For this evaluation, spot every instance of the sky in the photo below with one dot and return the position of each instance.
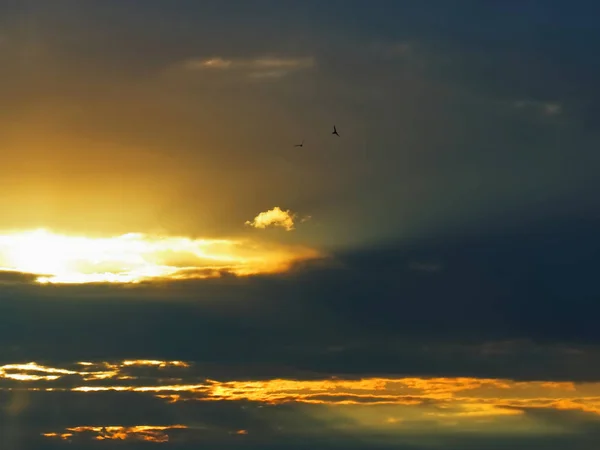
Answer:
(176, 273)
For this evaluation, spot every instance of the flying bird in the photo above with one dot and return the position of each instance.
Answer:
(335, 131)
(300, 145)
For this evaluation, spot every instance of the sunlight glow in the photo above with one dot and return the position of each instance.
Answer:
(136, 257)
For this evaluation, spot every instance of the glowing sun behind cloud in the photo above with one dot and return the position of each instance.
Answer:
(137, 257)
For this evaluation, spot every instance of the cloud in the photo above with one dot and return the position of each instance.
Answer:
(275, 217)
(389, 358)
(136, 257)
(145, 433)
(264, 67)
(546, 108)
(15, 277)
(172, 401)
(552, 109)
(518, 304)
(518, 307)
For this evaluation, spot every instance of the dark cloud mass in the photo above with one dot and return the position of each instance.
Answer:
(454, 300)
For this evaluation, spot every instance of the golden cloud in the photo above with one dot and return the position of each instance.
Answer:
(441, 397)
(87, 371)
(275, 217)
(372, 403)
(32, 372)
(446, 396)
(137, 257)
(147, 433)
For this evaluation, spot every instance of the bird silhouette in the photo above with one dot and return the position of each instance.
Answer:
(300, 145)
(335, 131)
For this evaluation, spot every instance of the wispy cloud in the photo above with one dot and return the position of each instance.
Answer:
(547, 108)
(263, 67)
(275, 217)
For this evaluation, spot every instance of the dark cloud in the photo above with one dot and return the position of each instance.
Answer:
(8, 278)
(530, 290)
(459, 207)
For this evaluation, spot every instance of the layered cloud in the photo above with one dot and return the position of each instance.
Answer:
(145, 433)
(487, 306)
(398, 407)
(263, 67)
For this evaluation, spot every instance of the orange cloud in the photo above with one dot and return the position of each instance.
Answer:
(373, 402)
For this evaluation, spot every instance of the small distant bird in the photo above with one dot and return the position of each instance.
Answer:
(335, 131)
(300, 145)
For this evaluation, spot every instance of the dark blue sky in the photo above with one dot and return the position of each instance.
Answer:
(459, 213)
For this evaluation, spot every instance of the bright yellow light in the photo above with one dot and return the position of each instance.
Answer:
(136, 257)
